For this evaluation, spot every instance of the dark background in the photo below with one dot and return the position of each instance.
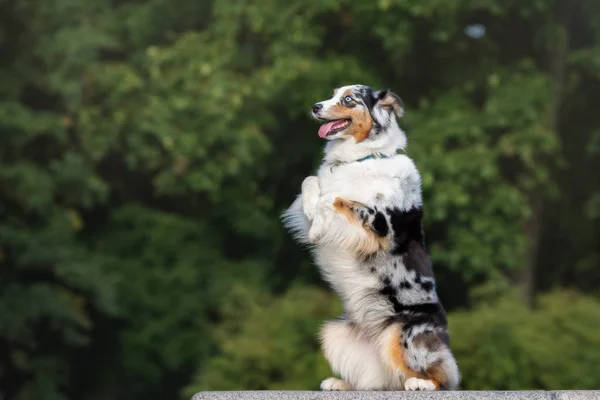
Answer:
(147, 148)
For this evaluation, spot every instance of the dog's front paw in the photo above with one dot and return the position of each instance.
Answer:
(413, 384)
(324, 214)
(310, 196)
(335, 384)
(316, 229)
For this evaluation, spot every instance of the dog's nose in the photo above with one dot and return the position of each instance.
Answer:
(316, 107)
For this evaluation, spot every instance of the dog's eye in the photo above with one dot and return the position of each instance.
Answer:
(347, 99)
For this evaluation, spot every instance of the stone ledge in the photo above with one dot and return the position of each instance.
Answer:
(455, 395)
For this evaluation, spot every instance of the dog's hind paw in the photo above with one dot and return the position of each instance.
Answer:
(335, 384)
(413, 384)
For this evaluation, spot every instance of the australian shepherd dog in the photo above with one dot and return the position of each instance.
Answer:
(361, 215)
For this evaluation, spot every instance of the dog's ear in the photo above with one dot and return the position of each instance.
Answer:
(391, 101)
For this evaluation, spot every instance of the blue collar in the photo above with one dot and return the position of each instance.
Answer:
(374, 155)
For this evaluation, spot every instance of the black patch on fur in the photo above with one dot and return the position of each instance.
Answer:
(417, 259)
(406, 226)
(389, 292)
(380, 224)
(422, 308)
(365, 94)
(418, 314)
(386, 281)
(372, 269)
(413, 314)
(382, 93)
(409, 240)
(405, 285)
(427, 286)
(377, 127)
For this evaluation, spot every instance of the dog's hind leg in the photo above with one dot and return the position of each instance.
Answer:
(354, 358)
(423, 358)
(430, 351)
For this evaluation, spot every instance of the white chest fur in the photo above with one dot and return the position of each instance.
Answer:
(391, 181)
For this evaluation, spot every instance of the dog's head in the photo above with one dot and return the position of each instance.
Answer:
(358, 112)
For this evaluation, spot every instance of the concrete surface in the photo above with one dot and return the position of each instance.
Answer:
(458, 395)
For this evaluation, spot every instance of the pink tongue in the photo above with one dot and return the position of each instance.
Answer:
(329, 126)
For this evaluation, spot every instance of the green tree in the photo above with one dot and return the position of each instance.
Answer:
(505, 346)
(269, 342)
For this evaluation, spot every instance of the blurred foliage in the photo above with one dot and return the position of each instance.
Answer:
(147, 150)
(499, 345)
(261, 352)
(505, 345)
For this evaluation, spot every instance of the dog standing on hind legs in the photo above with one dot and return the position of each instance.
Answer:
(362, 215)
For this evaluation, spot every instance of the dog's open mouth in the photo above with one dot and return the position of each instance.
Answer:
(333, 127)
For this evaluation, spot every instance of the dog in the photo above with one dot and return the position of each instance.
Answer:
(362, 217)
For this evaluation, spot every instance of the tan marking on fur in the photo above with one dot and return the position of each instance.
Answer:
(361, 124)
(347, 92)
(344, 206)
(437, 375)
(361, 118)
(395, 349)
(338, 111)
(390, 101)
(373, 241)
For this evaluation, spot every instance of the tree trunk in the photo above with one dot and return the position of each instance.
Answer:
(557, 57)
